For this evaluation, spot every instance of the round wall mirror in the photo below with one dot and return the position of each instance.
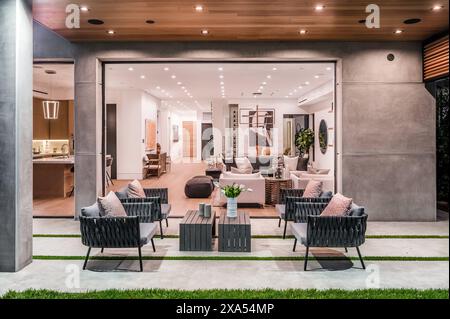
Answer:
(323, 136)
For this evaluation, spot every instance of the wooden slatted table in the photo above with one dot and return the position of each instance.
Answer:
(235, 233)
(197, 232)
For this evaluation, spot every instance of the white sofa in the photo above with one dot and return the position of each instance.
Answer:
(301, 178)
(254, 181)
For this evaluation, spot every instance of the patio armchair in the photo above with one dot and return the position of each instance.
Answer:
(288, 198)
(313, 230)
(132, 231)
(161, 207)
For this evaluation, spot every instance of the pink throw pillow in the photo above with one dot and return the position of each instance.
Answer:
(313, 189)
(339, 205)
(135, 190)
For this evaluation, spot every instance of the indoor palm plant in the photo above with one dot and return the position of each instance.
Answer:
(304, 139)
(232, 192)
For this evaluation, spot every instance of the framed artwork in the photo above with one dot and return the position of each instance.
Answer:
(150, 135)
(175, 133)
(257, 117)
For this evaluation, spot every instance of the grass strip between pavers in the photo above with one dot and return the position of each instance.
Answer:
(242, 258)
(269, 236)
(233, 294)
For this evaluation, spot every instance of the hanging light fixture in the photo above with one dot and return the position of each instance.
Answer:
(50, 107)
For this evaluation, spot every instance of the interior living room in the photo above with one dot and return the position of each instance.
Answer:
(174, 124)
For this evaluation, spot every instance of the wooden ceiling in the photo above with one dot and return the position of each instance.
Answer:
(244, 20)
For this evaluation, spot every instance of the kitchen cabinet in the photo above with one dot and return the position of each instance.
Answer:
(59, 129)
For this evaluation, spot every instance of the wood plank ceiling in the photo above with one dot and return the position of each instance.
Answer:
(244, 20)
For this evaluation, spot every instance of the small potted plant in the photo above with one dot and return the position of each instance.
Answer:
(232, 192)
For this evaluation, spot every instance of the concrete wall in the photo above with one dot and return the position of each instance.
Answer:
(386, 164)
(16, 133)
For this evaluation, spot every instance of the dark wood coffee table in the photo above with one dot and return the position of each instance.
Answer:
(235, 233)
(197, 232)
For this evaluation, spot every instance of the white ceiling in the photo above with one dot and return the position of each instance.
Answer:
(196, 84)
(61, 84)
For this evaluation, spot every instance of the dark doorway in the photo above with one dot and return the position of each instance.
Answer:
(111, 136)
(442, 147)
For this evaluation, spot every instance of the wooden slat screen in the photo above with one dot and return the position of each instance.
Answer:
(435, 59)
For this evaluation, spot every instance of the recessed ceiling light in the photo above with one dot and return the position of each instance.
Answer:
(173, 76)
(183, 87)
(437, 7)
(261, 87)
(158, 88)
(95, 21)
(110, 32)
(264, 83)
(205, 32)
(412, 21)
(84, 8)
(130, 69)
(398, 31)
(222, 83)
(221, 76)
(142, 76)
(290, 93)
(303, 31)
(316, 76)
(166, 69)
(179, 83)
(220, 69)
(328, 68)
(300, 87)
(199, 8)
(286, 96)
(274, 69)
(269, 76)
(319, 7)
(307, 83)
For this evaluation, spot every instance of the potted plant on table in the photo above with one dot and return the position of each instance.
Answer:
(232, 192)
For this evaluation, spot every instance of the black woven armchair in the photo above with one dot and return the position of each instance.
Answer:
(288, 198)
(132, 231)
(161, 208)
(329, 231)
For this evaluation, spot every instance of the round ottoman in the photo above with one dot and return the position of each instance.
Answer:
(199, 187)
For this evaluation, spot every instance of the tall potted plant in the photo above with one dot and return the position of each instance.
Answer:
(304, 139)
(232, 192)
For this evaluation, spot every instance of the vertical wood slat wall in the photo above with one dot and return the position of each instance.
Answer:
(435, 59)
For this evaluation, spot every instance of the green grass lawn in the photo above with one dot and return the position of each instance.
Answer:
(235, 294)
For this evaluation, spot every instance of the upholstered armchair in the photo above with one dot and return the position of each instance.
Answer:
(288, 198)
(159, 197)
(313, 230)
(132, 231)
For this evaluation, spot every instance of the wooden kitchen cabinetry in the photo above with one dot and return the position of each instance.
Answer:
(59, 129)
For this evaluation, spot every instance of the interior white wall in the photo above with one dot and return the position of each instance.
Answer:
(281, 106)
(326, 160)
(177, 117)
(133, 107)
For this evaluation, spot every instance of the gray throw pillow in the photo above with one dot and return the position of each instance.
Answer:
(91, 211)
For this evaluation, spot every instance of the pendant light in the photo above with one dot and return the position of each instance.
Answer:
(50, 107)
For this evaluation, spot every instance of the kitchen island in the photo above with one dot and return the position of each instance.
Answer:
(53, 176)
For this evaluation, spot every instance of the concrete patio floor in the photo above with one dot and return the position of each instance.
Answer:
(207, 274)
